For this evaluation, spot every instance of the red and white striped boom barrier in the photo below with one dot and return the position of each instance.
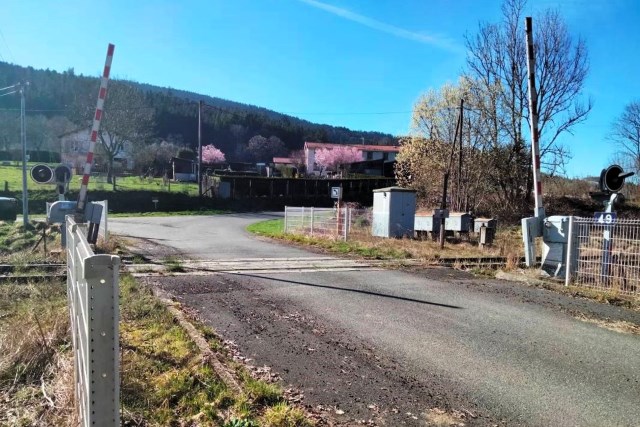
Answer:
(102, 95)
(533, 115)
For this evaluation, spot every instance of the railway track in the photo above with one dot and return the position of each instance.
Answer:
(41, 272)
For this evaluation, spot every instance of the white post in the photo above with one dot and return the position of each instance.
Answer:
(105, 213)
(347, 222)
(569, 264)
(23, 142)
(285, 220)
(312, 221)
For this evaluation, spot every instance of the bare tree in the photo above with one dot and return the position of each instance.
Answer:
(625, 133)
(432, 148)
(496, 64)
(126, 119)
(262, 149)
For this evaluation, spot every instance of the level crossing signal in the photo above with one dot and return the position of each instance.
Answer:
(63, 176)
(42, 174)
(612, 179)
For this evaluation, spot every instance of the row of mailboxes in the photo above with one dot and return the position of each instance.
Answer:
(455, 222)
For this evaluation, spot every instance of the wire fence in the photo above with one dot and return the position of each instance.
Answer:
(326, 222)
(605, 256)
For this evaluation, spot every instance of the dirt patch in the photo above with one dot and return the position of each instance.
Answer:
(149, 250)
(336, 373)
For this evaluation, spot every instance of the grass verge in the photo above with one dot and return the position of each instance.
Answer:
(508, 243)
(165, 380)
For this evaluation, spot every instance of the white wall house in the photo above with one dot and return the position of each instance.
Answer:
(369, 152)
(74, 147)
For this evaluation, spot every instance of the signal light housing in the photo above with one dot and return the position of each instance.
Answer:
(612, 179)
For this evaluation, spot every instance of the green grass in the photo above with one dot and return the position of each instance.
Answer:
(283, 415)
(16, 241)
(174, 265)
(274, 228)
(12, 174)
(269, 228)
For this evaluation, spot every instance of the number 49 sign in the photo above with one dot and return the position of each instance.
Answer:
(605, 217)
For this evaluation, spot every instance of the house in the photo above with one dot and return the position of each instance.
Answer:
(284, 161)
(74, 147)
(369, 152)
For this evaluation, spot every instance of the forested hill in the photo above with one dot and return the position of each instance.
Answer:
(227, 124)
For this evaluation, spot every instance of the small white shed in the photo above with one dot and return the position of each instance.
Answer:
(394, 211)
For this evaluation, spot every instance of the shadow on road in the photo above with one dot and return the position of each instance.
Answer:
(314, 285)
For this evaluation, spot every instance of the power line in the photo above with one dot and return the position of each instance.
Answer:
(9, 93)
(7, 45)
(10, 87)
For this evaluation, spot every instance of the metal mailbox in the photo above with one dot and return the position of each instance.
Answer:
(460, 222)
(490, 223)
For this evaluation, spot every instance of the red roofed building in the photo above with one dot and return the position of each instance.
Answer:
(369, 152)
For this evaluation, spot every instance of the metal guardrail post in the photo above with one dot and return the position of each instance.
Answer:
(92, 290)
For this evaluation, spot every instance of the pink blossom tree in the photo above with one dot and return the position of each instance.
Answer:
(333, 158)
(210, 154)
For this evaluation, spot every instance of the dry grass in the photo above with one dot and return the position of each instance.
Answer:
(437, 417)
(508, 243)
(34, 354)
(620, 326)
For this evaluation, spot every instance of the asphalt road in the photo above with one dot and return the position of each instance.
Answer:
(390, 345)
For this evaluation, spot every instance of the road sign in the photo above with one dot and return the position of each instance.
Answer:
(336, 193)
(605, 217)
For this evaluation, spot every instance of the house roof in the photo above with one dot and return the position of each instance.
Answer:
(380, 148)
(284, 160)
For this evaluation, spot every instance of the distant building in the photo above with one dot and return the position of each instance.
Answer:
(183, 170)
(369, 152)
(284, 161)
(74, 147)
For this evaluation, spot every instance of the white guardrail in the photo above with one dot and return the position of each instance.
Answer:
(92, 290)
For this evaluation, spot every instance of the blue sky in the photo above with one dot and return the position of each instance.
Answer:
(329, 61)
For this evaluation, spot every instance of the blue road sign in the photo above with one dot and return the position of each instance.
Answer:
(605, 217)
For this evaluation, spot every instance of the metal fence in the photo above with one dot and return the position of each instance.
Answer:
(92, 291)
(327, 222)
(604, 256)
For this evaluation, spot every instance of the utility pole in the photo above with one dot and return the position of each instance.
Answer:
(200, 104)
(23, 140)
(459, 189)
(533, 115)
(445, 183)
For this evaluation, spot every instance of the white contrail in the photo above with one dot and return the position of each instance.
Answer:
(381, 26)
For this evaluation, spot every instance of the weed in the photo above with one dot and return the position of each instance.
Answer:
(283, 415)
(261, 392)
(240, 422)
(174, 265)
